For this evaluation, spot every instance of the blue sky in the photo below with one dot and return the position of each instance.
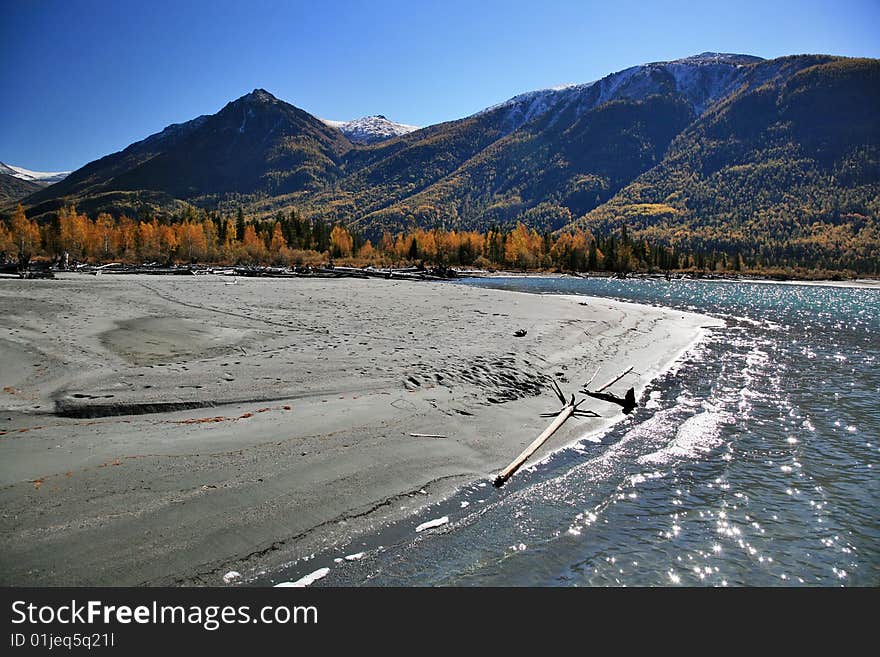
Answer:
(84, 78)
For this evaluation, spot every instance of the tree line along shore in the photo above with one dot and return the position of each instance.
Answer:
(290, 240)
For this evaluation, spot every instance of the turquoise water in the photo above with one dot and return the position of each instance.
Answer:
(754, 462)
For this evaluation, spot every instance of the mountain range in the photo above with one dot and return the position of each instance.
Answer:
(719, 151)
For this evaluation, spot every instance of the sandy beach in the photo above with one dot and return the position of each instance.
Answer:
(166, 430)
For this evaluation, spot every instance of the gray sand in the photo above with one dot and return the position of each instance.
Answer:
(166, 430)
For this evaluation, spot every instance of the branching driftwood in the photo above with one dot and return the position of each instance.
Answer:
(614, 380)
(627, 402)
(569, 409)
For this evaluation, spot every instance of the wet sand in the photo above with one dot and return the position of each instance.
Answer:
(166, 430)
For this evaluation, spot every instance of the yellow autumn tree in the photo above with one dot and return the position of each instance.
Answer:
(387, 243)
(367, 252)
(191, 242)
(25, 236)
(126, 237)
(167, 241)
(147, 240)
(427, 243)
(341, 243)
(523, 247)
(101, 241)
(230, 241)
(401, 246)
(277, 244)
(6, 242)
(252, 246)
(212, 237)
(73, 232)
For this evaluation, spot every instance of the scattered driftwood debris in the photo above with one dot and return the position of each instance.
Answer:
(45, 269)
(569, 409)
(36, 273)
(331, 271)
(627, 402)
(427, 435)
(420, 273)
(27, 269)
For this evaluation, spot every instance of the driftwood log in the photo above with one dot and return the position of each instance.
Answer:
(507, 473)
(569, 409)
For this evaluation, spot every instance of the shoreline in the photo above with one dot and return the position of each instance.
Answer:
(858, 283)
(698, 337)
(429, 274)
(300, 571)
(340, 374)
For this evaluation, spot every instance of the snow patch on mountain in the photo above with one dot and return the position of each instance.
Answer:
(531, 103)
(45, 177)
(611, 86)
(526, 106)
(702, 85)
(700, 79)
(370, 129)
(717, 58)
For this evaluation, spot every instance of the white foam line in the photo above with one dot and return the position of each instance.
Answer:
(595, 435)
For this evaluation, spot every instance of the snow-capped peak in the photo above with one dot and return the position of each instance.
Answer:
(716, 58)
(47, 177)
(370, 129)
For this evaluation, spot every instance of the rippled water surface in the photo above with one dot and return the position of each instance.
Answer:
(754, 462)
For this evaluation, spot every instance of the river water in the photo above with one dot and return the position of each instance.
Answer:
(755, 461)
